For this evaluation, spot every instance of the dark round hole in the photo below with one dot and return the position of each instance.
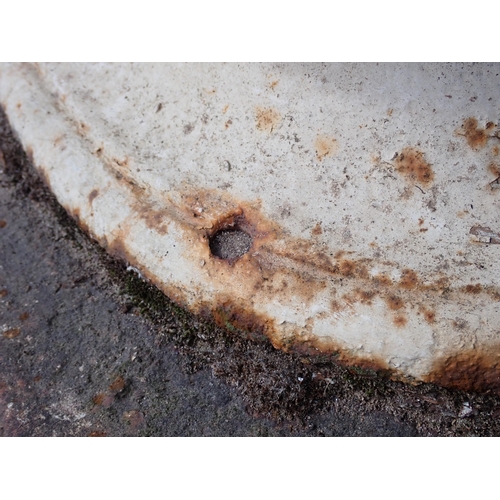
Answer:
(230, 244)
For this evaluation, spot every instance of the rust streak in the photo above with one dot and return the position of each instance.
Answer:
(469, 371)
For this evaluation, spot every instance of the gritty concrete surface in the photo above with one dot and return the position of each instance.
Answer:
(87, 348)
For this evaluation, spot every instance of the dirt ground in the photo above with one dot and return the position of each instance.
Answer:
(87, 348)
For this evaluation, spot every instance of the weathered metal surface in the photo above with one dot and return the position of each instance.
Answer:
(339, 208)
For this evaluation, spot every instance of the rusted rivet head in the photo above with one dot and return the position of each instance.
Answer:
(229, 244)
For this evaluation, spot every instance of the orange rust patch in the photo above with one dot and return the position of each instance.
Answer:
(335, 306)
(382, 280)
(12, 333)
(97, 434)
(423, 230)
(277, 267)
(228, 124)
(2, 224)
(98, 399)
(93, 195)
(273, 84)
(24, 316)
(394, 303)
(400, 320)
(468, 371)
(3, 293)
(409, 279)
(157, 220)
(317, 229)
(117, 385)
(347, 267)
(429, 315)
(494, 169)
(365, 296)
(476, 137)
(495, 150)
(474, 289)
(325, 146)
(412, 164)
(231, 316)
(267, 119)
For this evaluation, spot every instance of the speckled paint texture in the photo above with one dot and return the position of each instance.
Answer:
(369, 192)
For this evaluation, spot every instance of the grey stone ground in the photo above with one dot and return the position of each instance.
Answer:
(89, 349)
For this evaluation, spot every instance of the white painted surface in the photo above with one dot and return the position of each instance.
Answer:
(308, 146)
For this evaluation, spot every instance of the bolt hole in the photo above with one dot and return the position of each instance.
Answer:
(229, 244)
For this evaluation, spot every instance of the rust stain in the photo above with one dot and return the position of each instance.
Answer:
(97, 434)
(12, 333)
(3, 293)
(400, 320)
(412, 164)
(317, 230)
(117, 385)
(3, 223)
(495, 150)
(277, 267)
(267, 119)
(24, 316)
(365, 296)
(336, 306)
(429, 315)
(394, 303)
(231, 316)
(473, 289)
(225, 108)
(409, 279)
(98, 399)
(382, 280)
(476, 137)
(325, 146)
(494, 169)
(228, 124)
(273, 84)
(470, 370)
(154, 218)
